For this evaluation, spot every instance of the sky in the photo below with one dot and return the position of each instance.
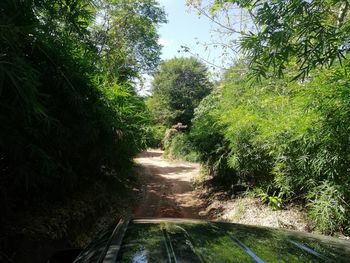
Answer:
(185, 28)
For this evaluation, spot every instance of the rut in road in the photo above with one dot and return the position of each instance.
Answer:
(167, 187)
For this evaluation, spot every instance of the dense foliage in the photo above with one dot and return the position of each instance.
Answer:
(71, 120)
(178, 87)
(288, 139)
(275, 35)
(179, 146)
(284, 135)
(70, 117)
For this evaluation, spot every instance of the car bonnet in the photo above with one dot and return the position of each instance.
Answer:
(180, 240)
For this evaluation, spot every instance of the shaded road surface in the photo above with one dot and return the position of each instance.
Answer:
(167, 189)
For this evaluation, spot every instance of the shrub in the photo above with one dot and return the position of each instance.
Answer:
(327, 208)
(180, 147)
(285, 137)
(208, 140)
(156, 135)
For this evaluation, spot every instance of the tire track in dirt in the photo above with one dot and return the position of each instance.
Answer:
(166, 187)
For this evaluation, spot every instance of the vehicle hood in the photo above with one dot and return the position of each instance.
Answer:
(178, 240)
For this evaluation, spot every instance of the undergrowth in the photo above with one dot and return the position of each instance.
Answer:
(288, 139)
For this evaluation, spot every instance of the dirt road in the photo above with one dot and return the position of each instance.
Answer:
(167, 191)
(167, 187)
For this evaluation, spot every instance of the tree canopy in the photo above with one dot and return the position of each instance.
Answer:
(276, 35)
(126, 36)
(70, 116)
(177, 89)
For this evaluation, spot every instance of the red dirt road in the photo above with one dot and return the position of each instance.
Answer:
(167, 187)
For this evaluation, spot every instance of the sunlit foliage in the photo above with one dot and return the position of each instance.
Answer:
(288, 138)
(178, 87)
(277, 34)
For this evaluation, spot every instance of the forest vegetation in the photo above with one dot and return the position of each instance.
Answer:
(71, 119)
(276, 123)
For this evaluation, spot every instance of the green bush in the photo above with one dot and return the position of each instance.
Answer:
(156, 136)
(274, 200)
(208, 140)
(179, 146)
(327, 207)
(282, 136)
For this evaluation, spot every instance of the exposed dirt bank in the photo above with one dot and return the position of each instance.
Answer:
(250, 211)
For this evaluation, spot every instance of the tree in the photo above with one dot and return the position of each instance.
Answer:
(177, 89)
(126, 36)
(69, 120)
(280, 34)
